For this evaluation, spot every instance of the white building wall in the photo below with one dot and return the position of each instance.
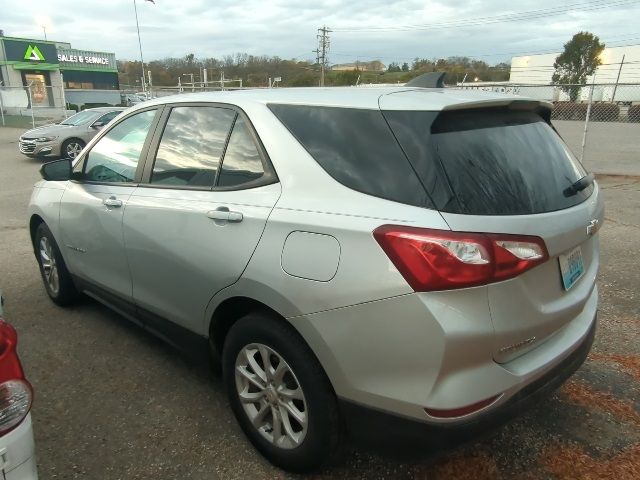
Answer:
(538, 69)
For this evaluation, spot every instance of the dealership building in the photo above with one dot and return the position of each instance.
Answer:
(52, 68)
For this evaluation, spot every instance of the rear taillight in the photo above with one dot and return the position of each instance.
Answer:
(16, 394)
(442, 260)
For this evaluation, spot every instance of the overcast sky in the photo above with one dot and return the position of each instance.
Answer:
(214, 28)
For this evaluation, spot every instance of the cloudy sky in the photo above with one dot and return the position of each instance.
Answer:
(491, 30)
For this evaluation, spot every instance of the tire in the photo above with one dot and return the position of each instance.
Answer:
(318, 442)
(55, 276)
(71, 148)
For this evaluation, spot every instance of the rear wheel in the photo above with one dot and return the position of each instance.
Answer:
(71, 148)
(280, 395)
(55, 276)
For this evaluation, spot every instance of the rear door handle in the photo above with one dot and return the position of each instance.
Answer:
(224, 214)
(112, 202)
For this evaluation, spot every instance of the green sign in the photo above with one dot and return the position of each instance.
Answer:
(33, 53)
(29, 51)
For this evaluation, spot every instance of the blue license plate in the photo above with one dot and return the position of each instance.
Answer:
(571, 267)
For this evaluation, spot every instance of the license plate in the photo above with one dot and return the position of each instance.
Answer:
(571, 267)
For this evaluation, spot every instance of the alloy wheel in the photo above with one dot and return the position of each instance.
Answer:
(73, 149)
(271, 396)
(49, 266)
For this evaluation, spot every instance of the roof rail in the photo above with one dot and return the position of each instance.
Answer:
(428, 80)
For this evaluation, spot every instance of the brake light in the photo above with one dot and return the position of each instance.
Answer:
(16, 394)
(442, 260)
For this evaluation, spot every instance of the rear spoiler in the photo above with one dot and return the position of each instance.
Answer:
(436, 80)
(541, 107)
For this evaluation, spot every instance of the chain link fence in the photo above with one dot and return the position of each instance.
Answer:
(36, 103)
(599, 122)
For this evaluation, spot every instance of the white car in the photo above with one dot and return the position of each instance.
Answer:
(17, 449)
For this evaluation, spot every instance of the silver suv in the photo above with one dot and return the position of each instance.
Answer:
(358, 259)
(67, 138)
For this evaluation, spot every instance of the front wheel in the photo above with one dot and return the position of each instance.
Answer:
(71, 148)
(280, 395)
(55, 276)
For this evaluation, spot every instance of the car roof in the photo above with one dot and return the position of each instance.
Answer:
(386, 98)
(105, 109)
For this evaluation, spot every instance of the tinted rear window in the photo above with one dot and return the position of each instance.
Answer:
(357, 148)
(489, 161)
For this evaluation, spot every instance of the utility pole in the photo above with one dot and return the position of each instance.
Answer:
(135, 9)
(322, 51)
(613, 97)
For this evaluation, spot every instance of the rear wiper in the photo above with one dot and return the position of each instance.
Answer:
(578, 186)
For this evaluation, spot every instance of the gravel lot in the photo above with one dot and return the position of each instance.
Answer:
(113, 402)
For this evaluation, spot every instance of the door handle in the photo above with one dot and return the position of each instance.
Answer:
(224, 214)
(112, 202)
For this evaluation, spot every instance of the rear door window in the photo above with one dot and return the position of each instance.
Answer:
(191, 146)
(489, 161)
(242, 163)
(108, 117)
(357, 148)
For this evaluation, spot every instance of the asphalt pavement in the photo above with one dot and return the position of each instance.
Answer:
(113, 402)
(610, 147)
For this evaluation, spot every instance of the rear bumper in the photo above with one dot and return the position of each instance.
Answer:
(371, 425)
(431, 351)
(18, 453)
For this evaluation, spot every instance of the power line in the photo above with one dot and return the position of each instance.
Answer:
(510, 17)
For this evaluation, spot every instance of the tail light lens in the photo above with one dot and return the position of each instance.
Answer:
(16, 394)
(442, 260)
(15, 403)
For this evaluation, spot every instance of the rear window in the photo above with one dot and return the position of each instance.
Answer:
(489, 161)
(355, 147)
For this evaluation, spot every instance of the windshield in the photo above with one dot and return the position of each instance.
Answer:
(489, 161)
(80, 118)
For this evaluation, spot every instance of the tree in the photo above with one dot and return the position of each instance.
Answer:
(393, 67)
(580, 59)
(405, 67)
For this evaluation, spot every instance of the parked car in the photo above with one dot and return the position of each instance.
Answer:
(67, 138)
(17, 450)
(406, 260)
(130, 99)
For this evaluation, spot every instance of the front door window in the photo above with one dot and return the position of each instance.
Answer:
(114, 158)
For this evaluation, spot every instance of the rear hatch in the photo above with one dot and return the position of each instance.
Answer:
(499, 167)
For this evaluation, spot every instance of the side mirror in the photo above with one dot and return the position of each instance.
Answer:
(59, 170)
(97, 124)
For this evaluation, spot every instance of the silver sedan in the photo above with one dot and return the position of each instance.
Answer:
(67, 138)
